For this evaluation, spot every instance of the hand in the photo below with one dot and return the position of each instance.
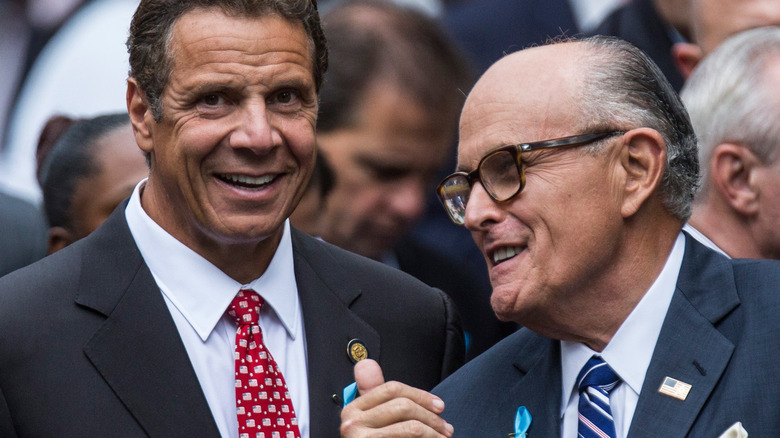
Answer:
(391, 409)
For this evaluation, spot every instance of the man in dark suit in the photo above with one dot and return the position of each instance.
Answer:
(23, 236)
(126, 332)
(632, 328)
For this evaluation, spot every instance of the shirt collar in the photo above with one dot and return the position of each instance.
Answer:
(200, 290)
(630, 350)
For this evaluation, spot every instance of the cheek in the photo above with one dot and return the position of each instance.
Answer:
(299, 135)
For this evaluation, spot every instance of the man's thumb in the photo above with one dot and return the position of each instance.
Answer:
(368, 375)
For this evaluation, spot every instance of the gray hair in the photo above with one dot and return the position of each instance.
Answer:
(725, 100)
(623, 87)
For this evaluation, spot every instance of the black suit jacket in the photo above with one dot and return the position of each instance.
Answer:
(88, 347)
(482, 327)
(22, 233)
(719, 335)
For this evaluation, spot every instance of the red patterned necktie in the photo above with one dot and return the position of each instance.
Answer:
(263, 405)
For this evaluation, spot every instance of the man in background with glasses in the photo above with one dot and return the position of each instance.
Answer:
(576, 171)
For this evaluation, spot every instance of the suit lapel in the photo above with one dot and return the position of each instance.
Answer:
(138, 350)
(539, 390)
(689, 348)
(330, 325)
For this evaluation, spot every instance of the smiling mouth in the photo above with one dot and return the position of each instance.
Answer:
(247, 182)
(506, 252)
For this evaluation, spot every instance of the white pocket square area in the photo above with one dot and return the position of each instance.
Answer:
(735, 431)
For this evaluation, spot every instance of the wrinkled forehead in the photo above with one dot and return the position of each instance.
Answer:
(527, 96)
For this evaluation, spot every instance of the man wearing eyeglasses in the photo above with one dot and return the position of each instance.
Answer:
(576, 171)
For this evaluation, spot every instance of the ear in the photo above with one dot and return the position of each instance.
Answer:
(643, 157)
(59, 237)
(686, 57)
(731, 170)
(140, 115)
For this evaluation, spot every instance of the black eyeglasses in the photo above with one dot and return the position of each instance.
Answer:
(501, 173)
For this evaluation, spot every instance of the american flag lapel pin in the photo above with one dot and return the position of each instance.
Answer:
(674, 388)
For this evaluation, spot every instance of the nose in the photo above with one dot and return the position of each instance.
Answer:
(254, 128)
(481, 209)
(407, 199)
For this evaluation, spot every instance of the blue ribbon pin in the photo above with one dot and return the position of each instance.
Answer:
(350, 392)
(522, 423)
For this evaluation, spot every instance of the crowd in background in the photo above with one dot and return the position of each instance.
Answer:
(387, 132)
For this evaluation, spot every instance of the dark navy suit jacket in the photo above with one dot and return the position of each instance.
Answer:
(720, 335)
(88, 347)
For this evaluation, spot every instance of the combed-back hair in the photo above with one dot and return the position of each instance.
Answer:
(623, 88)
(71, 160)
(151, 31)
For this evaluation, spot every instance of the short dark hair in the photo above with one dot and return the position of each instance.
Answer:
(152, 24)
(72, 159)
(54, 128)
(372, 40)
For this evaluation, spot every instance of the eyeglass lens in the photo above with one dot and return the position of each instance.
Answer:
(500, 176)
(455, 194)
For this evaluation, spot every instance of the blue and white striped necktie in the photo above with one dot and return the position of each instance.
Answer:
(595, 382)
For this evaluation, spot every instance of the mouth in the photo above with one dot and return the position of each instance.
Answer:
(246, 182)
(505, 253)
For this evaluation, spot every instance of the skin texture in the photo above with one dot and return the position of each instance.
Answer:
(240, 101)
(391, 409)
(385, 165)
(120, 166)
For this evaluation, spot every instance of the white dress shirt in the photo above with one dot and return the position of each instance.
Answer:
(628, 353)
(198, 294)
(704, 240)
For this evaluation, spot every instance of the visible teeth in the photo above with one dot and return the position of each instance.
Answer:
(248, 180)
(506, 252)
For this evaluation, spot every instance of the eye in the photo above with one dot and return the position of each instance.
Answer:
(212, 99)
(285, 97)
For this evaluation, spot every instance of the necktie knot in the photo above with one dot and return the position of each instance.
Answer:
(597, 374)
(245, 307)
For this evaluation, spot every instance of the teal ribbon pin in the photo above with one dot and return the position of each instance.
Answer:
(522, 423)
(350, 392)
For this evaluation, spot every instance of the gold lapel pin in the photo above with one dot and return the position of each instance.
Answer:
(674, 388)
(357, 350)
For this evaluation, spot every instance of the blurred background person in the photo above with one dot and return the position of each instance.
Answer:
(712, 21)
(733, 98)
(307, 216)
(389, 106)
(25, 26)
(89, 170)
(654, 26)
(81, 71)
(22, 233)
(23, 226)
(488, 29)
